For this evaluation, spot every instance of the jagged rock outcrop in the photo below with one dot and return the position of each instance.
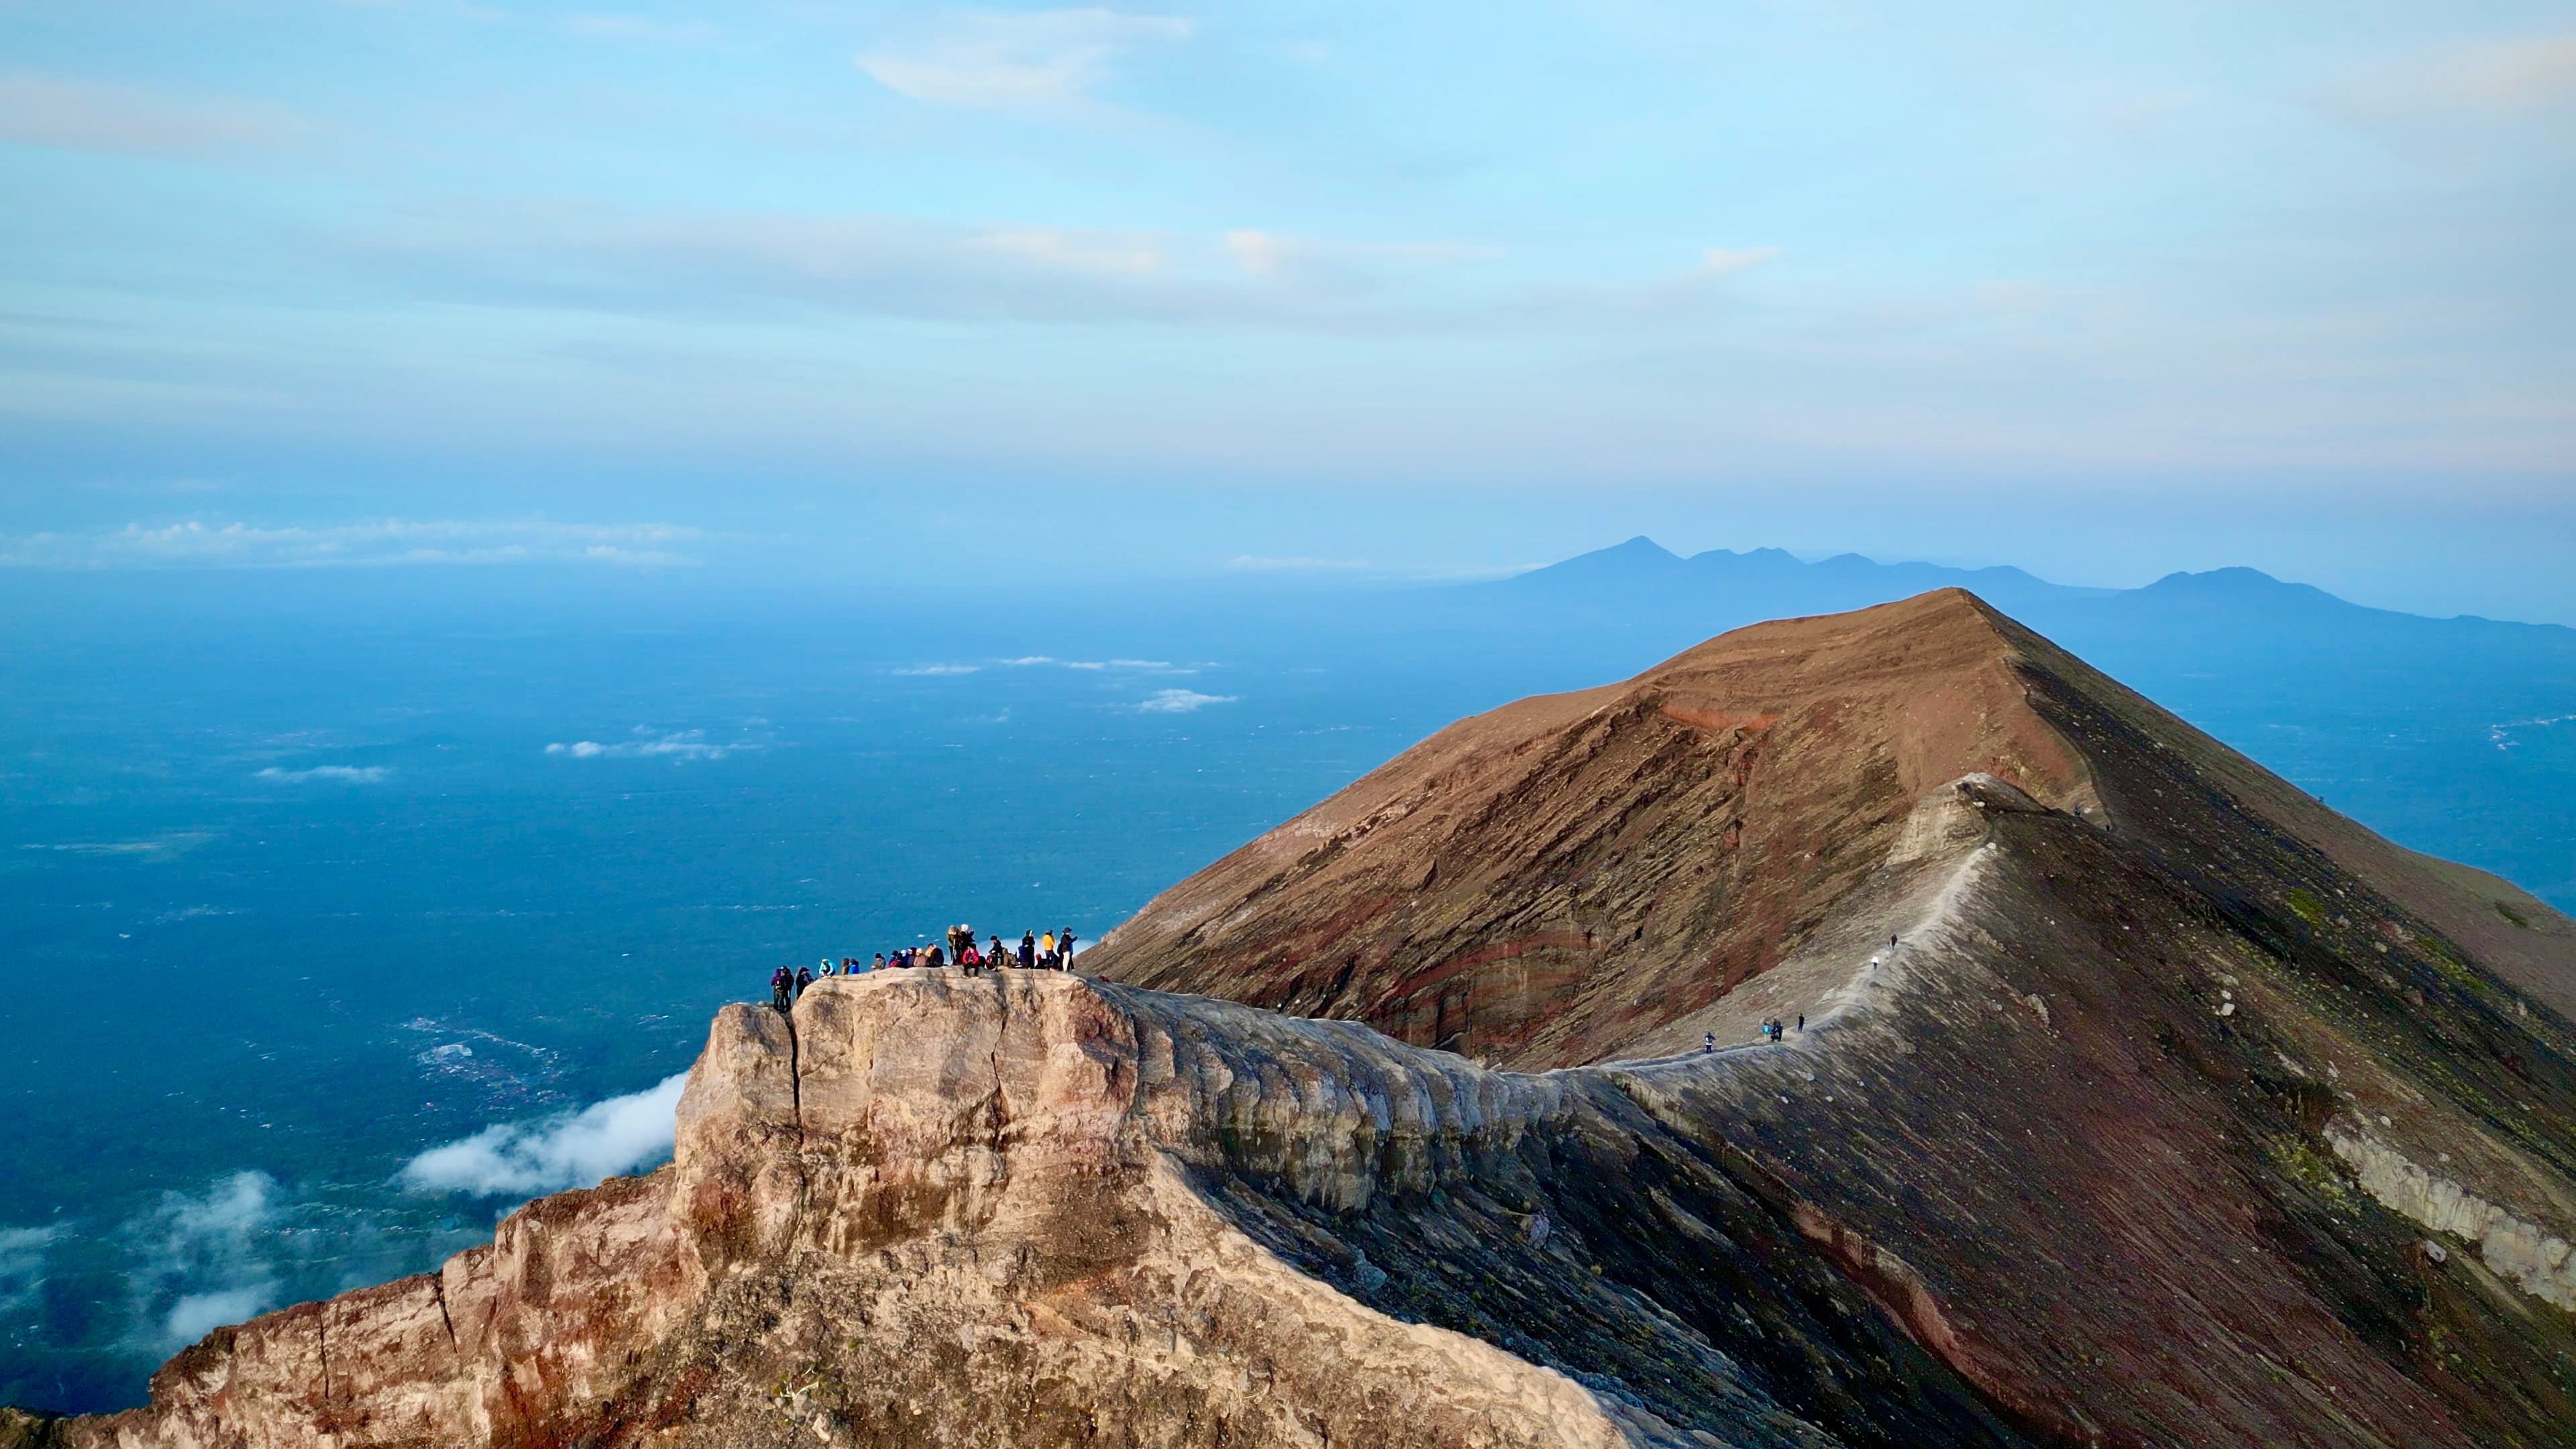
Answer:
(1025, 1209)
(2138, 1100)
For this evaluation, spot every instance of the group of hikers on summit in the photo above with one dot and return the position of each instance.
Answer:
(1052, 951)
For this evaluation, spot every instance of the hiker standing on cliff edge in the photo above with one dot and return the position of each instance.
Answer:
(782, 987)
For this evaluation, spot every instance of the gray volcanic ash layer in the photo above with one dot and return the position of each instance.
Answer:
(2179, 1111)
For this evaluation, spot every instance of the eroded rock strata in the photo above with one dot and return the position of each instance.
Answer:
(2139, 1100)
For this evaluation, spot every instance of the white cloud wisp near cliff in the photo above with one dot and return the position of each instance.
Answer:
(202, 1260)
(576, 1149)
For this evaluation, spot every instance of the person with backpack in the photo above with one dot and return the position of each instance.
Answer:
(880, 963)
(804, 978)
(782, 988)
(996, 956)
(1028, 951)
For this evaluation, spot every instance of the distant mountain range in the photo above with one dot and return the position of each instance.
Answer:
(1767, 583)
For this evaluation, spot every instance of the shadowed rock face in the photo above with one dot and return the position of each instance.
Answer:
(2183, 1112)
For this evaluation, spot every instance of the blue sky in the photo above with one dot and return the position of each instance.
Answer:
(2101, 290)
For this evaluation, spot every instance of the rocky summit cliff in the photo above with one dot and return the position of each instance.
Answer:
(2139, 1100)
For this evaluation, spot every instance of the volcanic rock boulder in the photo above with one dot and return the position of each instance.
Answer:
(2126, 1096)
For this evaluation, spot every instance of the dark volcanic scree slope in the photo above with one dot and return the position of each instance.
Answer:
(2139, 1100)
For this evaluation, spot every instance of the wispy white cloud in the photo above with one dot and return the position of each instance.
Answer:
(1035, 661)
(575, 1149)
(1727, 261)
(680, 745)
(81, 115)
(379, 543)
(933, 671)
(584, 255)
(1040, 60)
(22, 1263)
(2520, 76)
(201, 1264)
(1063, 249)
(1180, 701)
(558, 255)
(195, 1315)
(2501, 735)
(1282, 255)
(333, 774)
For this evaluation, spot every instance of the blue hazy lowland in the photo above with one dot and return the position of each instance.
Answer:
(343, 910)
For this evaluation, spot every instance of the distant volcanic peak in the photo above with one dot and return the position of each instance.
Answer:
(2235, 579)
(1639, 547)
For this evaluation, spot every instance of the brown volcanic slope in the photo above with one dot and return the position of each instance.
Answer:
(2185, 1113)
(1545, 884)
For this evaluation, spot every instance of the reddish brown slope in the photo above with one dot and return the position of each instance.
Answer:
(1543, 884)
(1550, 882)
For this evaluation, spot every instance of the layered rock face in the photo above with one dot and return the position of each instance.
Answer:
(2129, 1098)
